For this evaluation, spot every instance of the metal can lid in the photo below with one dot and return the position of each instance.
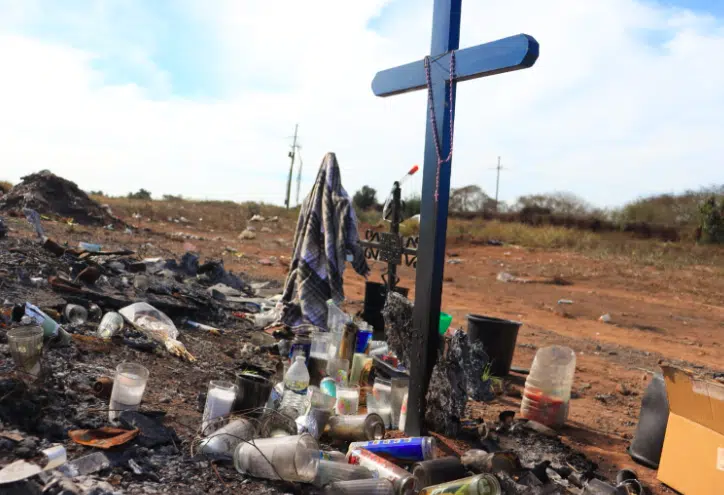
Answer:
(428, 448)
(489, 484)
(406, 485)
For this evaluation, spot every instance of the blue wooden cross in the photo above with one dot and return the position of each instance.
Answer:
(505, 55)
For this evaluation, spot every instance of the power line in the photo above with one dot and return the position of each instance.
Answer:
(292, 155)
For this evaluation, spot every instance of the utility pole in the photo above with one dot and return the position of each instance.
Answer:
(292, 155)
(497, 184)
(299, 177)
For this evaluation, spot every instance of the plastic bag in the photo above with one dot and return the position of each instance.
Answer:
(157, 326)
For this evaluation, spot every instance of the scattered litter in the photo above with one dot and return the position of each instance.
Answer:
(565, 301)
(103, 438)
(605, 318)
(157, 326)
(247, 235)
(507, 277)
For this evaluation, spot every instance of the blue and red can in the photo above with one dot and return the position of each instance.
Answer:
(403, 450)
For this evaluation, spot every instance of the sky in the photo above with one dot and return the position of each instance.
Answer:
(200, 97)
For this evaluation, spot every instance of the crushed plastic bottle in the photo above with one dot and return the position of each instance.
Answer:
(296, 382)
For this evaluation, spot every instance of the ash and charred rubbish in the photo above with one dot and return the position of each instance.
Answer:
(56, 197)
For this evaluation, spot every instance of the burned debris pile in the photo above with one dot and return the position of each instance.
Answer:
(55, 197)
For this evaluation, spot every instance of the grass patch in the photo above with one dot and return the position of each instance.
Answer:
(612, 244)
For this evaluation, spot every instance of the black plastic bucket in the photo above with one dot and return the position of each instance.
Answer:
(375, 297)
(653, 419)
(498, 337)
(253, 391)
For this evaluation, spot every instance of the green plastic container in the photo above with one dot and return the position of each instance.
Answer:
(445, 320)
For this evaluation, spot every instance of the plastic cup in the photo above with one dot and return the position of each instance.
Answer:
(400, 387)
(26, 347)
(347, 399)
(219, 402)
(445, 320)
(338, 370)
(291, 458)
(319, 399)
(128, 387)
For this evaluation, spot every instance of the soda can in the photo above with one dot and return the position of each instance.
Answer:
(360, 427)
(402, 480)
(436, 471)
(482, 484)
(403, 450)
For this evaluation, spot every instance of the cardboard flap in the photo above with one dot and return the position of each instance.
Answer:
(698, 400)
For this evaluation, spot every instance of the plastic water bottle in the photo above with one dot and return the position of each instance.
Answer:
(548, 387)
(296, 381)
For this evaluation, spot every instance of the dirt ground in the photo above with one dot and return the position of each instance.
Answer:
(674, 314)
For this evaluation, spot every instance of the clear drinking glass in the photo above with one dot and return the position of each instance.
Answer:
(95, 313)
(360, 487)
(26, 347)
(128, 387)
(75, 314)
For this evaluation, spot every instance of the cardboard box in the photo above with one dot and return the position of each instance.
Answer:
(692, 459)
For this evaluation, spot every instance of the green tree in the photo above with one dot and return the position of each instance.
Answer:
(411, 206)
(365, 198)
(141, 194)
(712, 221)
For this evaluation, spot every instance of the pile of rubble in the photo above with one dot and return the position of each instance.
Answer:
(56, 197)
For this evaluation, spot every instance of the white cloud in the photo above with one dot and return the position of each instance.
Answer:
(624, 100)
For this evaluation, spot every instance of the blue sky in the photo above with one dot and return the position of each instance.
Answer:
(200, 98)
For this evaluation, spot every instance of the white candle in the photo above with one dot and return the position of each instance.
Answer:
(219, 402)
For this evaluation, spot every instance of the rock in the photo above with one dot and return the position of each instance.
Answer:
(604, 398)
(476, 361)
(247, 235)
(397, 313)
(447, 395)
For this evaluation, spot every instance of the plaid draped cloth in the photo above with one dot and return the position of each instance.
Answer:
(326, 233)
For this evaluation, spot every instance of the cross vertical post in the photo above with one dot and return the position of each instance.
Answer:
(431, 249)
(440, 73)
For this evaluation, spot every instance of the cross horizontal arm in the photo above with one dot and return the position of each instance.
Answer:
(505, 55)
